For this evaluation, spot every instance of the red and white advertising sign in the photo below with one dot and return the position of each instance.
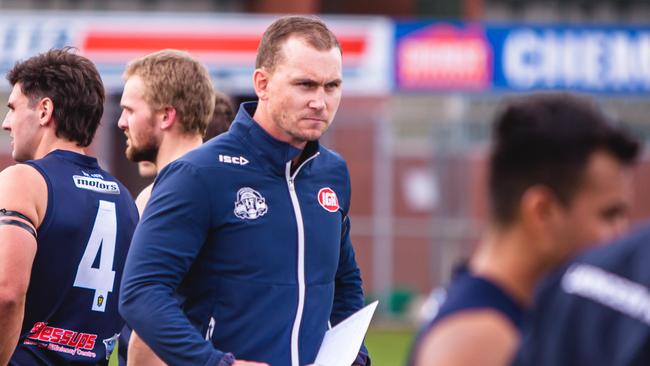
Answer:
(227, 44)
(443, 56)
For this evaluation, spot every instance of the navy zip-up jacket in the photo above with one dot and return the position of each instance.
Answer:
(238, 253)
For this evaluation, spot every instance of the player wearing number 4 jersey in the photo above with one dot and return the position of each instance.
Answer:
(65, 224)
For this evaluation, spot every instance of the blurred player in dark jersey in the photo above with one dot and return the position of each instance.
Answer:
(559, 182)
(596, 311)
(167, 102)
(65, 223)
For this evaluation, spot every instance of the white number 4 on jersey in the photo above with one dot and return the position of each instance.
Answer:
(103, 236)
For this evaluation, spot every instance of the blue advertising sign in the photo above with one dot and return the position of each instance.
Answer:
(590, 59)
(517, 57)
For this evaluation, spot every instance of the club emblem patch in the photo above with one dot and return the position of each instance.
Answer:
(250, 204)
(327, 198)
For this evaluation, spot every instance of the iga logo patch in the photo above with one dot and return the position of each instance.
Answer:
(327, 198)
(250, 204)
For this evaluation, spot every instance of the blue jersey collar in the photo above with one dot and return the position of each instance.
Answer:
(80, 159)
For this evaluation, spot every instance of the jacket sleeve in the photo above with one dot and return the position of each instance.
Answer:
(348, 292)
(166, 242)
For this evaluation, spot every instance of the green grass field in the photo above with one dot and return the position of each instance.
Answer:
(389, 347)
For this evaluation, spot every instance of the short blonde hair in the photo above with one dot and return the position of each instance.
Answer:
(175, 78)
(307, 28)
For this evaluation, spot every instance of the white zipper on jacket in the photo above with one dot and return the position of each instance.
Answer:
(295, 331)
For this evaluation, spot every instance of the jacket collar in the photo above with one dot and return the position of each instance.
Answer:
(273, 152)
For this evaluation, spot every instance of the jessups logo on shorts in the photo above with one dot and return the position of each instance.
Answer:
(62, 340)
(96, 184)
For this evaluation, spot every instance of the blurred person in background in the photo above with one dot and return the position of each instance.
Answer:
(559, 182)
(65, 223)
(147, 169)
(167, 102)
(596, 311)
(221, 118)
(252, 228)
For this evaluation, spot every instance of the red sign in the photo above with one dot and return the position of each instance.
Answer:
(444, 57)
(102, 45)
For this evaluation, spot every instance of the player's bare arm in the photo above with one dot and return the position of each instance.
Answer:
(481, 337)
(139, 352)
(22, 192)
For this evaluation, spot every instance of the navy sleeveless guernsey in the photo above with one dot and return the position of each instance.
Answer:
(470, 292)
(71, 315)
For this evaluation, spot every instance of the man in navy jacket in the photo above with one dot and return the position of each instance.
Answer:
(243, 252)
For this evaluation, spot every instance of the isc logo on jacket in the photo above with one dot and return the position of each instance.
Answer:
(327, 198)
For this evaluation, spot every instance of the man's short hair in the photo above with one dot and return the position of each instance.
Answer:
(221, 117)
(73, 84)
(547, 139)
(174, 78)
(310, 29)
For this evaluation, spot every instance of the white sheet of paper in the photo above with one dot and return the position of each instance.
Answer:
(341, 344)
